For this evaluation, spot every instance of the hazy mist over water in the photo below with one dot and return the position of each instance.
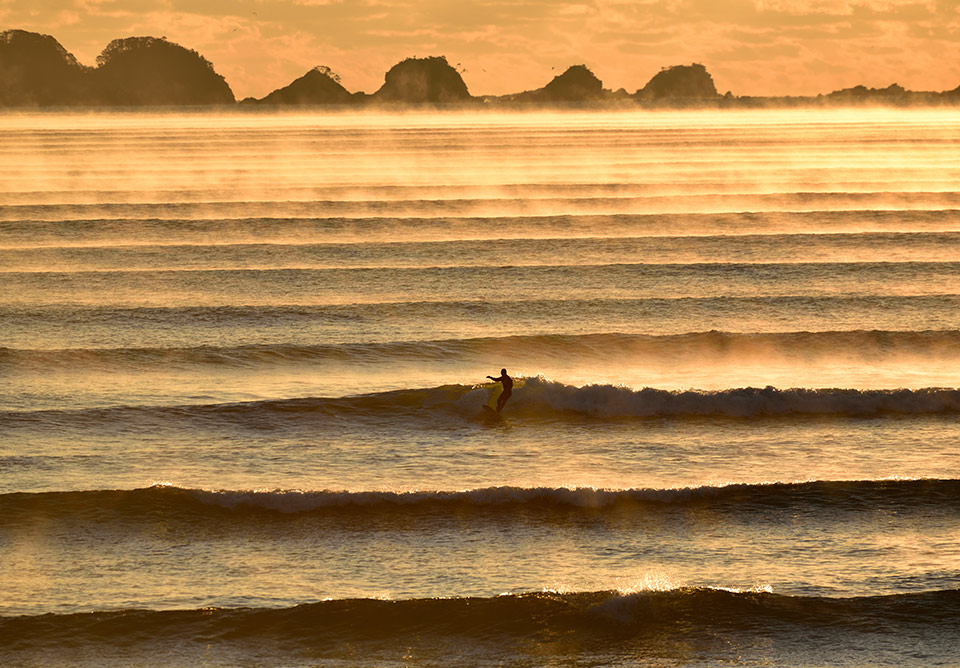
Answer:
(242, 366)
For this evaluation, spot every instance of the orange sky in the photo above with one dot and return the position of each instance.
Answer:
(752, 47)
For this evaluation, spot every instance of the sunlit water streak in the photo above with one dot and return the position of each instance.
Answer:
(736, 338)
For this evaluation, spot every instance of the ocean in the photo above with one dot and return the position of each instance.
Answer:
(243, 371)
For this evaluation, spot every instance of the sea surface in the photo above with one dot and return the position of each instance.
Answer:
(243, 362)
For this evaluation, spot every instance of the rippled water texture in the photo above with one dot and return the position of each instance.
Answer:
(243, 363)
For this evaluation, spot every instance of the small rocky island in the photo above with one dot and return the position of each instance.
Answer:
(36, 71)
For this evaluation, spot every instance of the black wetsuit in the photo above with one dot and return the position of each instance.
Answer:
(507, 390)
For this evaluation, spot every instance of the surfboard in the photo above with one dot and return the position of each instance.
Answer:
(491, 415)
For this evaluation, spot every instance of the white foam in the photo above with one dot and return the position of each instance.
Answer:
(607, 401)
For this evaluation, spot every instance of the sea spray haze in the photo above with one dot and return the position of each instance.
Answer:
(241, 388)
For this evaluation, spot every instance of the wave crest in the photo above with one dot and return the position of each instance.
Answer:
(533, 399)
(856, 344)
(547, 502)
(608, 401)
(586, 614)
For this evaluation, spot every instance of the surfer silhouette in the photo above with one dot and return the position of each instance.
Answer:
(507, 388)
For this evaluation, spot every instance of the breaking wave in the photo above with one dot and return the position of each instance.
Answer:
(271, 227)
(175, 502)
(861, 344)
(602, 614)
(533, 399)
(496, 206)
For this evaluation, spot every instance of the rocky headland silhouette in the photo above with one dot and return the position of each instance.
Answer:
(36, 71)
(147, 71)
(686, 82)
(577, 85)
(423, 81)
(318, 86)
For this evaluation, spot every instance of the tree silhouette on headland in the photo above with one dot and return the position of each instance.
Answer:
(678, 82)
(423, 80)
(153, 71)
(35, 70)
(321, 85)
(576, 85)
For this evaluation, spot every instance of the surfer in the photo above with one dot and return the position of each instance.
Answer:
(507, 388)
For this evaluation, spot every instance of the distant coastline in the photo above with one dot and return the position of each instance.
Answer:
(36, 71)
